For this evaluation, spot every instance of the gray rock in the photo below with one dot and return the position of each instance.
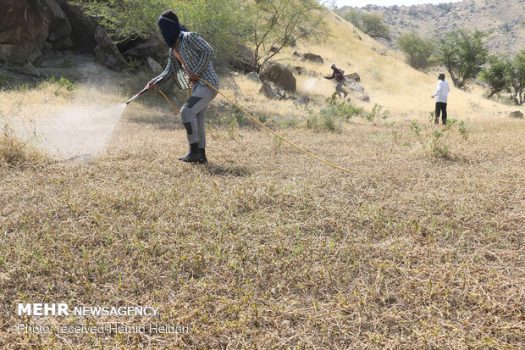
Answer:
(280, 75)
(302, 101)
(107, 52)
(155, 67)
(253, 76)
(354, 76)
(365, 98)
(82, 28)
(59, 26)
(242, 59)
(355, 86)
(152, 47)
(516, 115)
(19, 74)
(89, 37)
(312, 57)
(299, 70)
(24, 29)
(267, 90)
(29, 69)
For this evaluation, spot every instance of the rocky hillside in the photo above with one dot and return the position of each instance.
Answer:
(505, 19)
(37, 37)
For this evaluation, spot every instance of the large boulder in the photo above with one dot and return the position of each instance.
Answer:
(354, 76)
(27, 26)
(313, 57)
(355, 86)
(107, 53)
(279, 75)
(83, 28)
(152, 47)
(24, 29)
(253, 76)
(89, 37)
(155, 66)
(267, 90)
(241, 59)
(59, 26)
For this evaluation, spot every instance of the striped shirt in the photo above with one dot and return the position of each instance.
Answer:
(196, 55)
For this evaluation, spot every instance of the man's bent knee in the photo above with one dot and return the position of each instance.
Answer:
(187, 114)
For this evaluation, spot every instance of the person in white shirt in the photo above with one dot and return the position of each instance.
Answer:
(441, 96)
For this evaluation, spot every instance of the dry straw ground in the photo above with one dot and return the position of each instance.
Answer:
(264, 248)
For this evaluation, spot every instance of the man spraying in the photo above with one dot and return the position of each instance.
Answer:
(189, 61)
(339, 76)
(441, 96)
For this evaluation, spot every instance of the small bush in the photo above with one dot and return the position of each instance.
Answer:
(438, 146)
(323, 122)
(463, 130)
(63, 86)
(331, 117)
(14, 152)
(377, 114)
(461, 126)
(438, 140)
(416, 129)
(286, 122)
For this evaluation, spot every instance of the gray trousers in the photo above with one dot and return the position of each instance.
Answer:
(193, 114)
(340, 88)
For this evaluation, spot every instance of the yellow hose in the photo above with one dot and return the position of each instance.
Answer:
(293, 144)
(175, 108)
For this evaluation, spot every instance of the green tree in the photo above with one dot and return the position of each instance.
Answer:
(463, 54)
(354, 17)
(517, 79)
(126, 19)
(372, 24)
(137, 19)
(497, 75)
(369, 23)
(219, 22)
(276, 23)
(417, 49)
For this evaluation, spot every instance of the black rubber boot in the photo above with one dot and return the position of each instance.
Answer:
(203, 160)
(194, 156)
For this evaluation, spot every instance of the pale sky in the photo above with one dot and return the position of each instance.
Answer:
(359, 3)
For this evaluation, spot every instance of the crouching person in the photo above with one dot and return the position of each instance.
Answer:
(189, 62)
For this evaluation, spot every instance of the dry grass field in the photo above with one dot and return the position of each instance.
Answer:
(419, 245)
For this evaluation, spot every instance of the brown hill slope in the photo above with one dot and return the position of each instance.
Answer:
(388, 80)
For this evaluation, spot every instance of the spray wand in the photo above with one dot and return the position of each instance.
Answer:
(142, 92)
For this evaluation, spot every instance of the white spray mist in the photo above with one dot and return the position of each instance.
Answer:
(78, 131)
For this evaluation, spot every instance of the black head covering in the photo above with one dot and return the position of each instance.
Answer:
(169, 27)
